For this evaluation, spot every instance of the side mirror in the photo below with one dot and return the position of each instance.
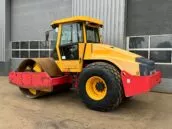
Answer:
(56, 30)
(46, 35)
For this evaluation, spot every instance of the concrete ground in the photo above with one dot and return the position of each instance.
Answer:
(66, 111)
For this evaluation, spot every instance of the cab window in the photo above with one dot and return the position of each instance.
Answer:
(72, 34)
(51, 38)
(92, 34)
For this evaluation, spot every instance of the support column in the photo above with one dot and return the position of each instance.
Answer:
(5, 37)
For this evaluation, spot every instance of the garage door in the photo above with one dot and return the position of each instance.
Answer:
(31, 18)
(149, 31)
(29, 21)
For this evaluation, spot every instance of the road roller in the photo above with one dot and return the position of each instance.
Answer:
(103, 75)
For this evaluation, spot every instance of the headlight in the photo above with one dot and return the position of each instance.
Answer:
(145, 61)
(147, 67)
(144, 71)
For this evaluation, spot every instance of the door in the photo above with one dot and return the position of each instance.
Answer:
(72, 47)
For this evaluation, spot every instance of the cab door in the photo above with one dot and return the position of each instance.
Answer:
(71, 47)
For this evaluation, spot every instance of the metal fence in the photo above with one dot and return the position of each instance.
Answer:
(31, 49)
(154, 47)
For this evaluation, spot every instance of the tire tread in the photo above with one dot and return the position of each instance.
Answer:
(115, 73)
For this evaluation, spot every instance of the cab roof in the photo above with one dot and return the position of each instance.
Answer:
(78, 19)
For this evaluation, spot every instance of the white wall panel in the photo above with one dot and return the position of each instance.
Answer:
(2, 31)
(112, 12)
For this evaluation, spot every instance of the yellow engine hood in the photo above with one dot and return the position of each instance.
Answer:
(107, 50)
(123, 59)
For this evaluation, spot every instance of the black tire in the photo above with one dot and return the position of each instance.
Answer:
(111, 76)
(29, 95)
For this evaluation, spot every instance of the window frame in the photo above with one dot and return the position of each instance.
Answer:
(149, 49)
(82, 39)
(72, 43)
(98, 32)
(29, 50)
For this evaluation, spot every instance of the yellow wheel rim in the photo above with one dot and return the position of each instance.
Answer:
(32, 91)
(96, 88)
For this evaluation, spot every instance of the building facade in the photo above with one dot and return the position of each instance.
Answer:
(143, 27)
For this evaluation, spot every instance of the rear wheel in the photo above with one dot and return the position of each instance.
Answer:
(100, 86)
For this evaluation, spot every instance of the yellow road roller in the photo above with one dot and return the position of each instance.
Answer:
(103, 75)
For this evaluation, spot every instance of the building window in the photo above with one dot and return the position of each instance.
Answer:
(154, 47)
(31, 49)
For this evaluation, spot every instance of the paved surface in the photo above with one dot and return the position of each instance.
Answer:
(66, 111)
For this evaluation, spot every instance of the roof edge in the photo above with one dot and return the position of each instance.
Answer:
(78, 18)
